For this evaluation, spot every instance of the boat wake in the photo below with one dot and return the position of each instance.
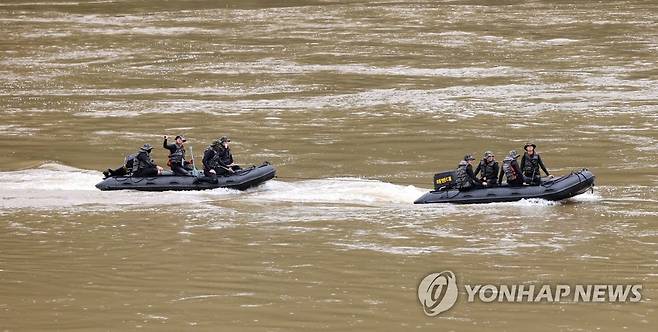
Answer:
(337, 191)
(52, 186)
(56, 186)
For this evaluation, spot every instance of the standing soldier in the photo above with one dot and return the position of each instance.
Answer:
(530, 165)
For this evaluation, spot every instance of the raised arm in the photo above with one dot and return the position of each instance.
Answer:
(170, 147)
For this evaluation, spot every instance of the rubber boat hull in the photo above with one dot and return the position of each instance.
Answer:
(241, 180)
(554, 189)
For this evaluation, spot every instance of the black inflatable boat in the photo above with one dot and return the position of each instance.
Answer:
(553, 189)
(241, 180)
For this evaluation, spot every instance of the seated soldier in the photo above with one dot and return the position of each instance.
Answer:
(511, 170)
(143, 165)
(489, 167)
(218, 160)
(177, 161)
(465, 178)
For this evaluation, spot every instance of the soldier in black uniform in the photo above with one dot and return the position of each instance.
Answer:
(489, 167)
(211, 164)
(143, 165)
(129, 165)
(218, 160)
(226, 157)
(177, 161)
(530, 165)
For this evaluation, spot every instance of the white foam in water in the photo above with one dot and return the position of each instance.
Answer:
(50, 177)
(58, 186)
(55, 186)
(587, 197)
(338, 190)
(529, 202)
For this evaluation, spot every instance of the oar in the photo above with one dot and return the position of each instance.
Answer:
(195, 171)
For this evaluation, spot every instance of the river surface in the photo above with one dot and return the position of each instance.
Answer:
(357, 104)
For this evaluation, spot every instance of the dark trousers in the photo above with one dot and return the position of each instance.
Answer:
(518, 182)
(224, 172)
(180, 169)
(532, 179)
(146, 172)
(121, 171)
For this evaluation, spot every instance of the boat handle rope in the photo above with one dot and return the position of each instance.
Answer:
(132, 179)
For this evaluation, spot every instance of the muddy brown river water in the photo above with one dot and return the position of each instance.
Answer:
(357, 104)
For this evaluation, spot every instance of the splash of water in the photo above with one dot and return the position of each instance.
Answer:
(59, 186)
(337, 191)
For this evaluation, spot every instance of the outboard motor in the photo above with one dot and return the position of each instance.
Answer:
(444, 180)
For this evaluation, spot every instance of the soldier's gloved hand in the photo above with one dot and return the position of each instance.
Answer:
(213, 171)
(165, 137)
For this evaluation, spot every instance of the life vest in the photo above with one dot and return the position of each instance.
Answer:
(130, 159)
(509, 171)
(531, 163)
(178, 155)
(139, 164)
(488, 170)
(214, 162)
(463, 181)
(225, 157)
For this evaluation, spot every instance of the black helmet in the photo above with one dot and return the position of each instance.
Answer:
(146, 148)
(488, 154)
(181, 137)
(224, 139)
(215, 143)
(513, 154)
(468, 157)
(525, 147)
